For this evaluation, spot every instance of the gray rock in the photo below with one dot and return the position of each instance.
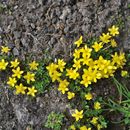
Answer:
(11, 45)
(65, 12)
(15, 52)
(21, 113)
(83, 4)
(85, 12)
(13, 26)
(25, 21)
(24, 42)
(33, 25)
(53, 40)
(17, 34)
(1, 41)
(58, 11)
(40, 2)
(86, 27)
(54, 20)
(66, 29)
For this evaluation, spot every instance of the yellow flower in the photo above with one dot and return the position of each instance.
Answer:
(99, 127)
(51, 68)
(94, 74)
(15, 63)
(77, 64)
(83, 128)
(5, 49)
(89, 76)
(29, 77)
(100, 62)
(73, 74)
(106, 67)
(72, 127)
(94, 120)
(113, 43)
(97, 105)
(31, 91)
(111, 70)
(33, 65)
(97, 46)
(20, 89)
(86, 60)
(3, 64)
(55, 75)
(86, 51)
(71, 95)
(77, 53)
(124, 73)
(92, 63)
(114, 30)
(11, 81)
(88, 96)
(119, 60)
(63, 86)
(86, 80)
(17, 72)
(105, 38)
(61, 65)
(79, 41)
(78, 115)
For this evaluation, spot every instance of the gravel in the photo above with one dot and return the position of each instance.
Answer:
(52, 25)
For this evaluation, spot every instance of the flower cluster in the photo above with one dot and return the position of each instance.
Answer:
(89, 65)
(19, 80)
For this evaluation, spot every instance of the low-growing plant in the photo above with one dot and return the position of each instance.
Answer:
(95, 60)
(121, 106)
(24, 77)
(91, 62)
(42, 78)
(54, 121)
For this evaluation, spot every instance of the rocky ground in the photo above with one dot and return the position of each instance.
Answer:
(39, 26)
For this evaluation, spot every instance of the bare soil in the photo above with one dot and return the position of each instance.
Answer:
(38, 26)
